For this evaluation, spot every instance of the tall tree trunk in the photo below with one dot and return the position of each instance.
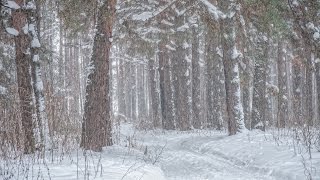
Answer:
(309, 86)
(166, 89)
(247, 71)
(282, 84)
(259, 85)
(166, 76)
(181, 72)
(297, 65)
(317, 61)
(128, 91)
(231, 59)
(36, 75)
(154, 93)
(122, 100)
(196, 97)
(143, 123)
(215, 75)
(97, 123)
(23, 63)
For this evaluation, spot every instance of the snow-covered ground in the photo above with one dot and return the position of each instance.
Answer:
(169, 155)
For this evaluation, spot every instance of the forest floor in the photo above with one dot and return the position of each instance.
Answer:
(172, 155)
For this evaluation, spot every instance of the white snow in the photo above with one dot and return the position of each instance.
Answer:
(310, 25)
(3, 90)
(265, 38)
(35, 58)
(166, 22)
(12, 31)
(217, 14)
(219, 51)
(231, 14)
(170, 47)
(143, 16)
(295, 3)
(31, 5)
(183, 27)
(235, 53)
(202, 154)
(12, 5)
(186, 73)
(172, 155)
(35, 43)
(39, 84)
(316, 36)
(32, 27)
(25, 28)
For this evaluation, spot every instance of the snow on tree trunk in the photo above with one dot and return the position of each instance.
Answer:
(318, 88)
(97, 123)
(196, 97)
(142, 108)
(214, 56)
(282, 84)
(42, 118)
(23, 63)
(231, 60)
(154, 92)
(122, 100)
(309, 87)
(259, 84)
(165, 52)
(166, 89)
(181, 70)
(297, 82)
(245, 43)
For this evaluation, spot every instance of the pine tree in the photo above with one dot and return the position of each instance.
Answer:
(97, 123)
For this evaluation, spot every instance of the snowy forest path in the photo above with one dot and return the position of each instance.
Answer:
(188, 158)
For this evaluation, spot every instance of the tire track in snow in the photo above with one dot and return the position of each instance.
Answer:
(184, 158)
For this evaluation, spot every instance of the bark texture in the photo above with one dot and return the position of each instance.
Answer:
(97, 123)
(231, 59)
(283, 89)
(259, 86)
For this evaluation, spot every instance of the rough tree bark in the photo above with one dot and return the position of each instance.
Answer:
(309, 85)
(96, 131)
(34, 31)
(297, 65)
(231, 59)
(166, 89)
(196, 97)
(155, 93)
(214, 77)
(23, 63)
(318, 85)
(282, 84)
(259, 85)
